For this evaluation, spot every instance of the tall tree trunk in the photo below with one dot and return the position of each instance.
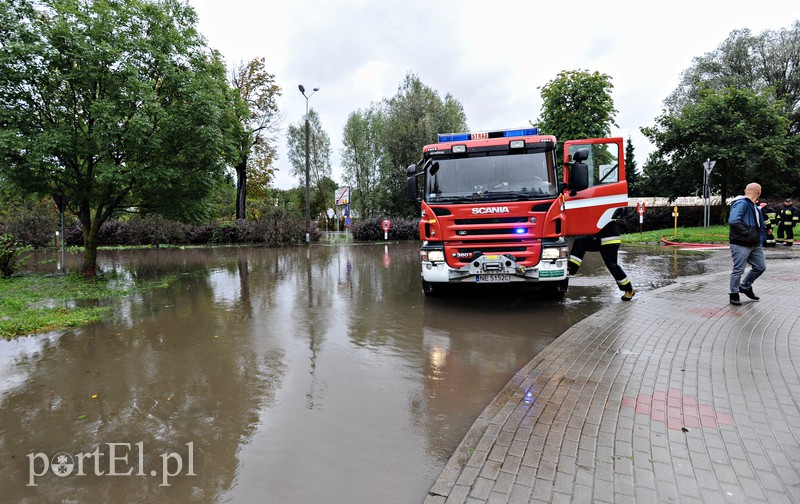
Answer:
(241, 190)
(90, 233)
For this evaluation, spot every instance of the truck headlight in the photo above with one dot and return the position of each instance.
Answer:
(436, 256)
(431, 255)
(553, 253)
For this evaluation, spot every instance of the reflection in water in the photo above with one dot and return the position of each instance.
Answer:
(316, 374)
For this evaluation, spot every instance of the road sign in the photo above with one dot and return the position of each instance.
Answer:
(709, 165)
(641, 207)
(342, 195)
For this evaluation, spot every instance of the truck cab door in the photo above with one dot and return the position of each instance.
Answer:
(588, 210)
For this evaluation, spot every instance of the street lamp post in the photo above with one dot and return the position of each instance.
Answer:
(308, 199)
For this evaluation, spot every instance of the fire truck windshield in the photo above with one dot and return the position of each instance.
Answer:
(492, 177)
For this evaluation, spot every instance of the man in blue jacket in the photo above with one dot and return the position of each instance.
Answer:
(747, 233)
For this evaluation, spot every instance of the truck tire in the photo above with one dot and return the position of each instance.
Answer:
(555, 291)
(431, 289)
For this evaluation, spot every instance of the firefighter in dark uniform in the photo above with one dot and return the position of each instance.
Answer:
(770, 220)
(607, 242)
(787, 219)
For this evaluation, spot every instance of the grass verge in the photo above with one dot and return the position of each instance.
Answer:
(34, 303)
(710, 234)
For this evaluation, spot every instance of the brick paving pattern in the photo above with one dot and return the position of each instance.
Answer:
(674, 397)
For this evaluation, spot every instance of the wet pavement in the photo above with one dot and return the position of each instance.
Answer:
(314, 374)
(677, 396)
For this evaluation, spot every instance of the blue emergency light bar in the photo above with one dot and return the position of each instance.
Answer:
(461, 137)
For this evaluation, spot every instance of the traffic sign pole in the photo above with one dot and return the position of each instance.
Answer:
(641, 208)
(708, 165)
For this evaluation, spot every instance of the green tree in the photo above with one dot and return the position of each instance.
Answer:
(413, 118)
(631, 173)
(363, 158)
(659, 178)
(764, 63)
(577, 104)
(743, 131)
(322, 196)
(319, 154)
(259, 119)
(117, 105)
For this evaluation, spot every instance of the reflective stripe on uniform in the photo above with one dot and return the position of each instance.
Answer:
(575, 260)
(610, 240)
(624, 281)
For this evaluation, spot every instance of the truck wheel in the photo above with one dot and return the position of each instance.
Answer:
(431, 290)
(556, 291)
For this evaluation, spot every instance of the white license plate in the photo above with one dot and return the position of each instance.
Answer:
(493, 278)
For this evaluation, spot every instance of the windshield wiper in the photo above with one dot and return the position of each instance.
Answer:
(496, 195)
(442, 199)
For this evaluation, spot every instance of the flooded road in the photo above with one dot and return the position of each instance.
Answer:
(318, 375)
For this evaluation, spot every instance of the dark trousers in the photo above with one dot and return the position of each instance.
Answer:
(788, 231)
(609, 253)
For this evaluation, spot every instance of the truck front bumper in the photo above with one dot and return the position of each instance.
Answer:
(495, 269)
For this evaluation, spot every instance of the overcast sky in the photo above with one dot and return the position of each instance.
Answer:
(491, 56)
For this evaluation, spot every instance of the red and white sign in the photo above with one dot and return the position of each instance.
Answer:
(641, 207)
(386, 226)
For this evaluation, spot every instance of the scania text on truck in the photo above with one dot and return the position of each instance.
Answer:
(495, 211)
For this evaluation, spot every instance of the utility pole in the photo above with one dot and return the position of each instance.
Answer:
(308, 169)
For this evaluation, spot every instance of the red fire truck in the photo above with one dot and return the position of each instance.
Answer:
(496, 211)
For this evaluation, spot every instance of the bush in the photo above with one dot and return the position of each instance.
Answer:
(276, 228)
(151, 230)
(34, 223)
(252, 231)
(11, 255)
(661, 218)
(199, 234)
(371, 229)
(225, 232)
(283, 229)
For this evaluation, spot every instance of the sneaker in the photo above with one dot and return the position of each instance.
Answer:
(628, 295)
(749, 293)
(735, 299)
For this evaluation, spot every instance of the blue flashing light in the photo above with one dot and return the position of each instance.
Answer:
(522, 132)
(462, 137)
(453, 137)
(520, 230)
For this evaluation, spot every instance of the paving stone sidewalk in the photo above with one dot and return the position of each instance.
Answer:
(674, 397)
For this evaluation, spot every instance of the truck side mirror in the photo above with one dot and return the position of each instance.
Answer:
(578, 171)
(578, 178)
(411, 183)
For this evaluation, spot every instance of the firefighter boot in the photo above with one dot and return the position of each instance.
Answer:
(628, 294)
(749, 293)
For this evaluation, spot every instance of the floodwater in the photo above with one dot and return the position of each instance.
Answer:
(298, 375)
